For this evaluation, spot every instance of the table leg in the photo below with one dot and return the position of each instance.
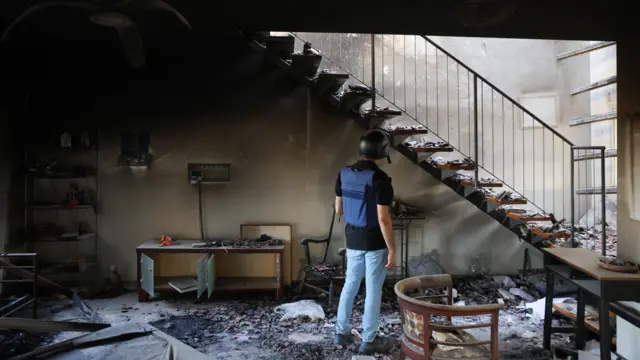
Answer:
(406, 251)
(142, 295)
(580, 330)
(280, 265)
(402, 265)
(605, 331)
(548, 310)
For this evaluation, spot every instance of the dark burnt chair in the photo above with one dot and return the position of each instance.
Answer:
(322, 277)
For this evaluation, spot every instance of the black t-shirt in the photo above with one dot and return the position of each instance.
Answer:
(361, 238)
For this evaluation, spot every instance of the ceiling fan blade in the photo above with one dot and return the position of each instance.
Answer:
(161, 5)
(133, 45)
(39, 7)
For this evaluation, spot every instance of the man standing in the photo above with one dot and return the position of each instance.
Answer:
(364, 195)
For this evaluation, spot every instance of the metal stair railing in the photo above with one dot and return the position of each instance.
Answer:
(457, 105)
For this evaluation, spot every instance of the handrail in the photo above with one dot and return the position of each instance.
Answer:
(496, 89)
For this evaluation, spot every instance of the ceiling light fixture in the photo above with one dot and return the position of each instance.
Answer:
(111, 19)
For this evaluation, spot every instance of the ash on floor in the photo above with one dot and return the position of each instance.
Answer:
(252, 329)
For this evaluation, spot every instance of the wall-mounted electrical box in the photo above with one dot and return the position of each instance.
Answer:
(209, 173)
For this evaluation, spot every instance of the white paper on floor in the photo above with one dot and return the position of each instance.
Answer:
(301, 309)
(592, 351)
(538, 306)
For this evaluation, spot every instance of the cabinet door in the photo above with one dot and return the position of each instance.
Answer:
(202, 275)
(147, 274)
(210, 275)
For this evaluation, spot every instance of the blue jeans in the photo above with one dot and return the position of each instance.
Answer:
(370, 265)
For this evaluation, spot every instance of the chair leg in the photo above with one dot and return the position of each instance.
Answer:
(331, 289)
(301, 286)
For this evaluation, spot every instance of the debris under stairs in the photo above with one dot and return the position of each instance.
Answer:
(350, 96)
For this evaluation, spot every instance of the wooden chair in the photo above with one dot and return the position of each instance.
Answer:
(418, 323)
(329, 274)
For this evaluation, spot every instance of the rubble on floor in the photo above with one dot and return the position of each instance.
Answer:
(261, 242)
(250, 327)
(13, 343)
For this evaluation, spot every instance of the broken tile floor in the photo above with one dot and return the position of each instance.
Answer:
(251, 329)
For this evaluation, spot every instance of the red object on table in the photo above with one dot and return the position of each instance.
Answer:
(165, 241)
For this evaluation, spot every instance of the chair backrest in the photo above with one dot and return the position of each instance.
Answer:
(326, 248)
(416, 317)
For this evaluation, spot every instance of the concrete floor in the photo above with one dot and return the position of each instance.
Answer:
(251, 329)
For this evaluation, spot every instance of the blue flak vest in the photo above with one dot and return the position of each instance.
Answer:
(358, 198)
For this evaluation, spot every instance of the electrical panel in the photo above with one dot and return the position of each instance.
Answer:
(214, 173)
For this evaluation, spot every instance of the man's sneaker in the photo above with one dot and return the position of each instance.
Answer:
(341, 339)
(380, 345)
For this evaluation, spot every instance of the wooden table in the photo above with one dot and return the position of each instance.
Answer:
(148, 283)
(579, 266)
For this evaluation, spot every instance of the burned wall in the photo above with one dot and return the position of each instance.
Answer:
(285, 148)
(5, 177)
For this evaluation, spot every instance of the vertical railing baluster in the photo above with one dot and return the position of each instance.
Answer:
(404, 68)
(475, 122)
(553, 171)
(513, 139)
(393, 61)
(573, 203)
(415, 77)
(426, 82)
(493, 136)
(603, 199)
(482, 117)
(373, 77)
(446, 74)
(458, 101)
(469, 109)
(437, 95)
(504, 158)
(544, 168)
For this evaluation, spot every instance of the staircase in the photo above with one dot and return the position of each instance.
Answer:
(445, 118)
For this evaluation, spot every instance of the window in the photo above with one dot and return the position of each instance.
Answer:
(542, 105)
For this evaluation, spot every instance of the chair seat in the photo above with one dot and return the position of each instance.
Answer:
(328, 271)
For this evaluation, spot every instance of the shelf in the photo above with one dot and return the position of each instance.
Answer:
(597, 190)
(61, 176)
(225, 284)
(246, 283)
(59, 207)
(595, 85)
(596, 155)
(585, 49)
(593, 118)
(62, 238)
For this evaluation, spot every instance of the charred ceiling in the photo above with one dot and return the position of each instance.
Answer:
(569, 19)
